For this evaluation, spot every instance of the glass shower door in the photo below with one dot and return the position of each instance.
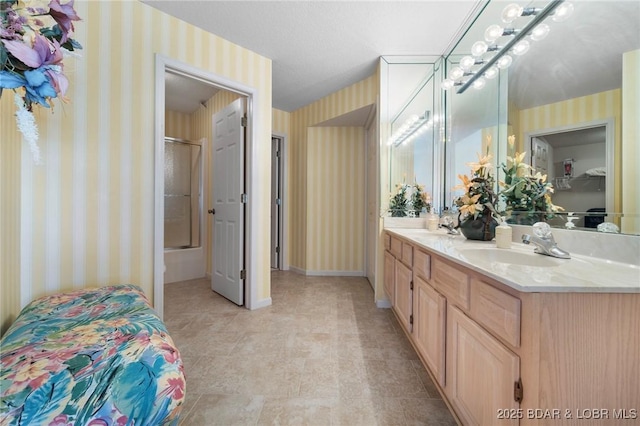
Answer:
(182, 180)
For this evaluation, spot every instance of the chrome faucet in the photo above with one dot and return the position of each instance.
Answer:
(544, 241)
(449, 224)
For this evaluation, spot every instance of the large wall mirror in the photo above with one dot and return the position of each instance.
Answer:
(563, 102)
(410, 125)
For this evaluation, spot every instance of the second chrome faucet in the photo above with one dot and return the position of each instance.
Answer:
(544, 241)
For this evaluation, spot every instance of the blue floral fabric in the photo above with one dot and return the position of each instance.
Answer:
(96, 357)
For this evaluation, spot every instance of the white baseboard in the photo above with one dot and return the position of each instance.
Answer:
(327, 273)
(335, 273)
(383, 304)
(262, 303)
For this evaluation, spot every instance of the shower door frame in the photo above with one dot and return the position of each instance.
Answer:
(200, 197)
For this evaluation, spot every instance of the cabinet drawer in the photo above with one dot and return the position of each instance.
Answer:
(387, 242)
(396, 247)
(451, 282)
(422, 265)
(407, 254)
(496, 310)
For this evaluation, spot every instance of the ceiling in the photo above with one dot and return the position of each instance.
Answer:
(320, 47)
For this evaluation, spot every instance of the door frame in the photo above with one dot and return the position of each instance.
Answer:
(609, 125)
(283, 225)
(163, 64)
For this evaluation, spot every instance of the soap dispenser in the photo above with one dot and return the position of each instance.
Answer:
(570, 218)
(503, 234)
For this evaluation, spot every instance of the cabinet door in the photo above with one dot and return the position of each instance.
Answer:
(403, 297)
(390, 276)
(429, 314)
(481, 372)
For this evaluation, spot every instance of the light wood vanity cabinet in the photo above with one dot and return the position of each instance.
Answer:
(504, 357)
(435, 300)
(404, 295)
(481, 373)
(390, 276)
(429, 326)
(399, 287)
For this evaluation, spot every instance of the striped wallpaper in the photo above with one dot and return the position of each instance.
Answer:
(307, 253)
(631, 137)
(335, 200)
(584, 109)
(280, 122)
(85, 217)
(177, 125)
(10, 151)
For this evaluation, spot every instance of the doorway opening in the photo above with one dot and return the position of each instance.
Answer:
(164, 65)
(578, 161)
(278, 229)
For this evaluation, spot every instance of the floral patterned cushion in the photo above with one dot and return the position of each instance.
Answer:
(90, 357)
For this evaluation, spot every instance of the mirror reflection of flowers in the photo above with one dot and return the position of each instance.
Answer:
(35, 39)
(479, 198)
(420, 200)
(523, 191)
(409, 200)
(398, 203)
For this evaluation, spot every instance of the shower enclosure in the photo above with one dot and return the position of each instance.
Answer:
(184, 257)
(182, 194)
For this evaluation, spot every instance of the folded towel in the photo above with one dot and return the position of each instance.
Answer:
(596, 171)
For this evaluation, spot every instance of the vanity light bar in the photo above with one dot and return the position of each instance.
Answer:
(517, 36)
(411, 128)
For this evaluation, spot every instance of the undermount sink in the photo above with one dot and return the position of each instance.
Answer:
(483, 255)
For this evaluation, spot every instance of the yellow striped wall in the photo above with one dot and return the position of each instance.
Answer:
(303, 220)
(86, 215)
(280, 122)
(631, 138)
(177, 125)
(599, 106)
(10, 150)
(335, 199)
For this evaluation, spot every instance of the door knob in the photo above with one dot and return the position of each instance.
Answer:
(211, 211)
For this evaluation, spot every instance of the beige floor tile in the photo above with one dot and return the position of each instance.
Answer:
(225, 410)
(322, 354)
(297, 411)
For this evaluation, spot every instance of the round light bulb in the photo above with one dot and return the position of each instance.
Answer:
(521, 47)
(493, 32)
(479, 83)
(563, 12)
(467, 62)
(492, 72)
(511, 12)
(456, 73)
(504, 62)
(479, 48)
(539, 32)
(447, 84)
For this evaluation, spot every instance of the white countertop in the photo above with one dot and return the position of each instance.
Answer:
(522, 269)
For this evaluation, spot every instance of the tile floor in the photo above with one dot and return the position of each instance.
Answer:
(322, 354)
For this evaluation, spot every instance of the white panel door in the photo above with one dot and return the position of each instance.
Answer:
(542, 157)
(228, 188)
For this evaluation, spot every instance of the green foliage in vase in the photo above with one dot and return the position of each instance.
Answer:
(479, 199)
(420, 200)
(524, 192)
(398, 204)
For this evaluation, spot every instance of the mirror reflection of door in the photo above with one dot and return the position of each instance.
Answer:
(585, 190)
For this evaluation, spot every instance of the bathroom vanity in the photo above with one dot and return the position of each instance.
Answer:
(516, 338)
